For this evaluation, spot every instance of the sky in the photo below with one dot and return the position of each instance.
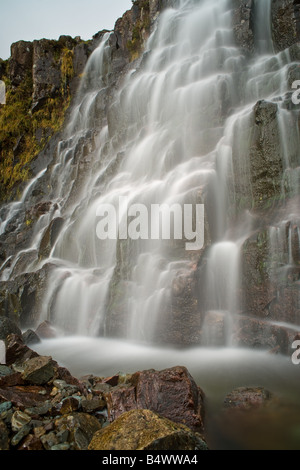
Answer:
(36, 19)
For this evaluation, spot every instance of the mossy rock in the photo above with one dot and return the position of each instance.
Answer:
(145, 430)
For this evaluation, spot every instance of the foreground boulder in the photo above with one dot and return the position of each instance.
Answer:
(145, 430)
(172, 393)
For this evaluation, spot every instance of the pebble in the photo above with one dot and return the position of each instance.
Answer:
(5, 406)
(19, 419)
(24, 431)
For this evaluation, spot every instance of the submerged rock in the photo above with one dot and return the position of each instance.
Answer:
(247, 398)
(145, 430)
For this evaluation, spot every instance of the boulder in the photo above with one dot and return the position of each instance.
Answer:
(81, 426)
(248, 398)
(172, 393)
(8, 327)
(39, 370)
(17, 351)
(145, 430)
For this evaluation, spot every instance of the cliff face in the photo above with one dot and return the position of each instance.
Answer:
(42, 81)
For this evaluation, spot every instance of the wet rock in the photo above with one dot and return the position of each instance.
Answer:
(243, 26)
(23, 432)
(19, 419)
(247, 398)
(160, 392)
(30, 338)
(49, 440)
(4, 436)
(31, 443)
(50, 237)
(8, 327)
(21, 298)
(81, 427)
(39, 370)
(93, 405)
(145, 430)
(46, 330)
(254, 333)
(5, 371)
(17, 351)
(69, 405)
(285, 23)
(258, 175)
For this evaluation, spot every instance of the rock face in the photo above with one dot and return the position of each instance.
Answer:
(21, 61)
(151, 432)
(243, 25)
(285, 22)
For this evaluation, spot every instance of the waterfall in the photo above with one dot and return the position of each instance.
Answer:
(262, 26)
(177, 133)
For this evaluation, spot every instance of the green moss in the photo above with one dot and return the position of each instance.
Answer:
(141, 28)
(19, 126)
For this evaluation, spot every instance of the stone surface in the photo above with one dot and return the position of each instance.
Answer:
(8, 327)
(285, 22)
(39, 370)
(172, 393)
(247, 398)
(4, 439)
(17, 351)
(145, 430)
(81, 427)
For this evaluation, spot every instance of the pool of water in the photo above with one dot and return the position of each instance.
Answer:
(216, 371)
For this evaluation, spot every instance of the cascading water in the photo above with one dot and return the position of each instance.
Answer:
(178, 131)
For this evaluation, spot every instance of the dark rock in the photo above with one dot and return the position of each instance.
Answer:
(243, 25)
(93, 405)
(22, 396)
(17, 351)
(50, 237)
(254, 333)
(46, 71)
(69, 405)
(160, 392)
(21, 299)
(145, 430)
(39, 370)
(20, 63)
(23, 432)
(247, 398)
(81, 427)
(46, 330)
(4, 436)
(5, 371)
(8, 327)
(261, 182)
(31, 443)
(30, 337)
(11, 380)
(285, 23)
